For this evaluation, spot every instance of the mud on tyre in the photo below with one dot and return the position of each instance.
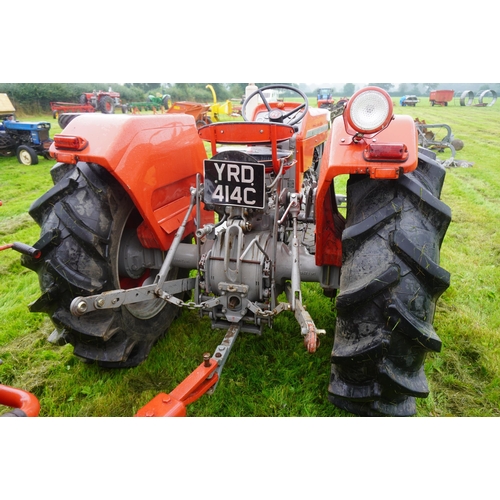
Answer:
(82, 220)
(390, 282)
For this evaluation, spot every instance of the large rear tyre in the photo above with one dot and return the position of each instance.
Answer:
(83, 220)
(66, 118)
(107, 105)
(390, 282)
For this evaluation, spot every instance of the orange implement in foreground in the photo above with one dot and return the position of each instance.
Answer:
(25, 403)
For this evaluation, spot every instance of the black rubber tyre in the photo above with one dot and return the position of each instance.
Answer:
(82, 219)
(66, 118)
(107, 105)
(83, 99)
(7, 145)
(390, 282)
(26, 155)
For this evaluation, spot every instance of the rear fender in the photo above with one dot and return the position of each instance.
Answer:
(343, 156)
(155, 158)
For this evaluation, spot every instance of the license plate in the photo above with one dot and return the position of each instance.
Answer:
(234, 183)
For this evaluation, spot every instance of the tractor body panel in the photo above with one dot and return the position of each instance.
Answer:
(155, 158)
(38, 131)
(344, 156)
(312, 131)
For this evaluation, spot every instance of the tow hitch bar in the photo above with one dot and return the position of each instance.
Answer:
(202, 380)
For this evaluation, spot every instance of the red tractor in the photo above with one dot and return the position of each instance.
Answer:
(141, 222)
(105, 102)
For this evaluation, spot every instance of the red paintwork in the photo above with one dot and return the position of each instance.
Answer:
(154, 157)
(16, 398)
(441, 96)
(100, 93)
(71, 107)
(247, 132)
(313, 130)
(343, 156)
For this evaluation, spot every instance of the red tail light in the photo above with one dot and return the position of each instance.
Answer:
(70, 142)
(386, 152)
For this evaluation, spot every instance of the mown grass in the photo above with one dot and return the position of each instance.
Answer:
(272, 375)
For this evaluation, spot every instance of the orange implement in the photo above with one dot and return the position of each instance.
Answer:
(26, 403)
(195, 109)
(189, 390)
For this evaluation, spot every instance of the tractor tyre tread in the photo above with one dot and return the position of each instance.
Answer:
(80, 218)
(390, 282)
(107, 105)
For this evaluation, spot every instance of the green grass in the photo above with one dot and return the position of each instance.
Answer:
(273, 375)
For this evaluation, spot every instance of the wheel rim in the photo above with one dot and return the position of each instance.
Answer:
(25, 157)
(142, 310)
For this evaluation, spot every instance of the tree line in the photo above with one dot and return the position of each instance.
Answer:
(35, 98)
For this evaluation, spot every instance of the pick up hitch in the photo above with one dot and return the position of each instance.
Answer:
(202, 380)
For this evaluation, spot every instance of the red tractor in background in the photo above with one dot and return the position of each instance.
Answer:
(105, 102)
(142, 222)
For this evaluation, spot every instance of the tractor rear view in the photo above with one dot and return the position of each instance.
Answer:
(141, 223)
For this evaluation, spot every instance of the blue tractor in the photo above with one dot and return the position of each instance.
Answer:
(26, 140)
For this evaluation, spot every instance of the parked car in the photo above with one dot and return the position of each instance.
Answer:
(409, 100)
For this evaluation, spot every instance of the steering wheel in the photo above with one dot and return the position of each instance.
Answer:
(276, 114)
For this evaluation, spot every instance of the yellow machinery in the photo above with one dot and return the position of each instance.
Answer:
(216, 108)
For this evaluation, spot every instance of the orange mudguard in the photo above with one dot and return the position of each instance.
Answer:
(154, 157)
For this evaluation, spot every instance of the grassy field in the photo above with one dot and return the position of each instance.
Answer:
(273, 375)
